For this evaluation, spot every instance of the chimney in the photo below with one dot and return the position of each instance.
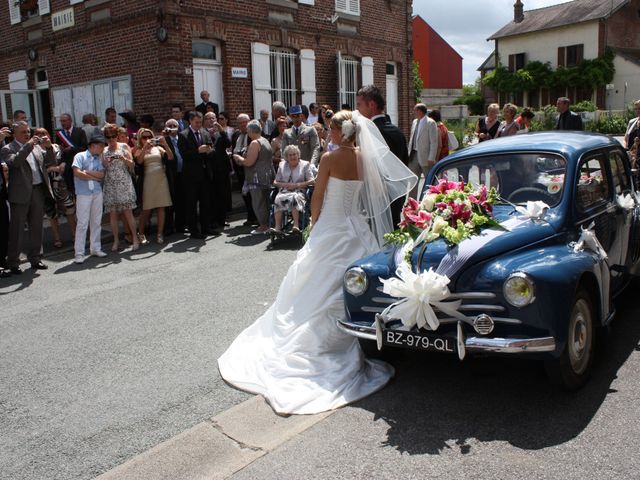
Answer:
(518, 11)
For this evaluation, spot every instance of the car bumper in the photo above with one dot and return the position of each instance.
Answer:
(472, 344)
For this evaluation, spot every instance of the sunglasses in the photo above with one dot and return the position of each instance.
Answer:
(146, 137)
(110, 137)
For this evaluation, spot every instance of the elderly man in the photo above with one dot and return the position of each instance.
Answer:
(88, 173)
(28, 189)
(202, 108)
(72, 140)
(423, 144)
(303, 136)
(266, 123)
(278, 109)
(567, 120)
(370, 103)
(240, 141)
(20, 116)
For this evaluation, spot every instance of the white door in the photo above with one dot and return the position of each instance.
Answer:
(208, 77)
(207, 71)
(392, 92)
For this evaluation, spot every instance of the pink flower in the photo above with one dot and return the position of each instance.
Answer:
(421, 220)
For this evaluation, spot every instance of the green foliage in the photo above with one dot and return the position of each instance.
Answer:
(545, 122)
(418, 84)
(584, 106)
(610, 125)
(591, 73)
(474, 102)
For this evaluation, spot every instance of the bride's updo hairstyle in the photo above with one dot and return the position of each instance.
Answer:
(343, 121)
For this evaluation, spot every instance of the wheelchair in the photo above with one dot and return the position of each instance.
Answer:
(288, 233)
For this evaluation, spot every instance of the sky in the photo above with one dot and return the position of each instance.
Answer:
(466, 25)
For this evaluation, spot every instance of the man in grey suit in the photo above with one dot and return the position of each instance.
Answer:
(423, 144)
(304, 136)
(28, 187)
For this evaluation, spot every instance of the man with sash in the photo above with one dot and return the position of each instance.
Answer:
(72, 141)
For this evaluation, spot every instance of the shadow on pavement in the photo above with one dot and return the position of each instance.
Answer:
(20, 282)
(437, 403)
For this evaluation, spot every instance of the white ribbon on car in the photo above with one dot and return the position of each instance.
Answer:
(589, 240)
(626, 201)
(418, 294)
(534, 210)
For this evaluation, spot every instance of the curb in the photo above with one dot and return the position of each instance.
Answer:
(218, 447)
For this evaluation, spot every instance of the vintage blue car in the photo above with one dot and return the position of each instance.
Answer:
(537, 289)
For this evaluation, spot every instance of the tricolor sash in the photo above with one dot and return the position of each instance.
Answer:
(64, 138)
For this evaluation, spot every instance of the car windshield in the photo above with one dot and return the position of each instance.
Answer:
(518, 178)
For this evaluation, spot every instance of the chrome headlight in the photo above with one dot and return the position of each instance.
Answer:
(356, 281)
(519, 290)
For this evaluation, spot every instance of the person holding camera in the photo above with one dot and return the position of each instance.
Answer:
(155, 190)
(28, 189)
(119, 195)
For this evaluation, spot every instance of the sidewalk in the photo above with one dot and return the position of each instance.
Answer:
(237, 209)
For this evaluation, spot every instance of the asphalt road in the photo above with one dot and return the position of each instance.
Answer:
(103, 361)
(489, 418)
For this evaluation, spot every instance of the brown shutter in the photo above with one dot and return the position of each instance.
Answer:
(561, 55)
(512, 63)
(579, 53)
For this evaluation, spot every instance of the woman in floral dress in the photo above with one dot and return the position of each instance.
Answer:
(118, 191)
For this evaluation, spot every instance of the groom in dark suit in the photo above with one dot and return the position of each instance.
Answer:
(195, 145)
(370, 103)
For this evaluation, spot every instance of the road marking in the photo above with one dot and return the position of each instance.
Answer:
(219, 447)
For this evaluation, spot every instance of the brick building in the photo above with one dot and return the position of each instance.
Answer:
(84, 56)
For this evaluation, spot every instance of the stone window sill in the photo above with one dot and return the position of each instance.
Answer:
(283, 3)
(348, 16)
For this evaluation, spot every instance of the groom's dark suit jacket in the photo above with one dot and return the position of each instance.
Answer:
(398, 145)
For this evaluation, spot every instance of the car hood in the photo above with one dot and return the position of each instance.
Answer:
(521, 232)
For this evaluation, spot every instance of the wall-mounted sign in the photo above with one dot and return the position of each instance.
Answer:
(237, 72)
(62, 19)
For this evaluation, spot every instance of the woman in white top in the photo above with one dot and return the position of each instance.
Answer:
(509, 126)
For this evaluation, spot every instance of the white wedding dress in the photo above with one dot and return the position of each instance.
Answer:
(294, 355)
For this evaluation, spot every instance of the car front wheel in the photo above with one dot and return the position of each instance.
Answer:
(571, 370)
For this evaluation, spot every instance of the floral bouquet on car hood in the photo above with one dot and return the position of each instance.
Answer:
(452, 211)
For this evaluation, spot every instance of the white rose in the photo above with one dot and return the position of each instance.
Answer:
(438, 224)
(429, 202)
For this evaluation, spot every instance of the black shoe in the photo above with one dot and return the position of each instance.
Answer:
(4, 273)
(198, 236)
(15, 270)
(39, 266)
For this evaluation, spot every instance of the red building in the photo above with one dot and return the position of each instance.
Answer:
(440, 64)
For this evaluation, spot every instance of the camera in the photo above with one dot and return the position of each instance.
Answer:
(37, 140)
(155, 141)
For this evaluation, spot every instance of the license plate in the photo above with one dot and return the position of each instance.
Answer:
(418, 341)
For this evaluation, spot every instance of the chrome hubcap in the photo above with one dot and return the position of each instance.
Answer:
(579, 343)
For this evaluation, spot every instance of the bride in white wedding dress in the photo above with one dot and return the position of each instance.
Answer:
(294, 355)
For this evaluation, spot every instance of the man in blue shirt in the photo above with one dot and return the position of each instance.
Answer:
(88, 173)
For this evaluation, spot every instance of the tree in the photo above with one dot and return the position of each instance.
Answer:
(418, 84)
(471, 98)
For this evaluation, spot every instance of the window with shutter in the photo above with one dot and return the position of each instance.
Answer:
(561, 54)
(512, 63)
(282, 63)
(351, 7)
(367, 71)
(308, 76)
(260, 68)
(14, 12)
(44, 8)
(347, 80)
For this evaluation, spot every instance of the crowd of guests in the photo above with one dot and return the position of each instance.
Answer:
(181, 170)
